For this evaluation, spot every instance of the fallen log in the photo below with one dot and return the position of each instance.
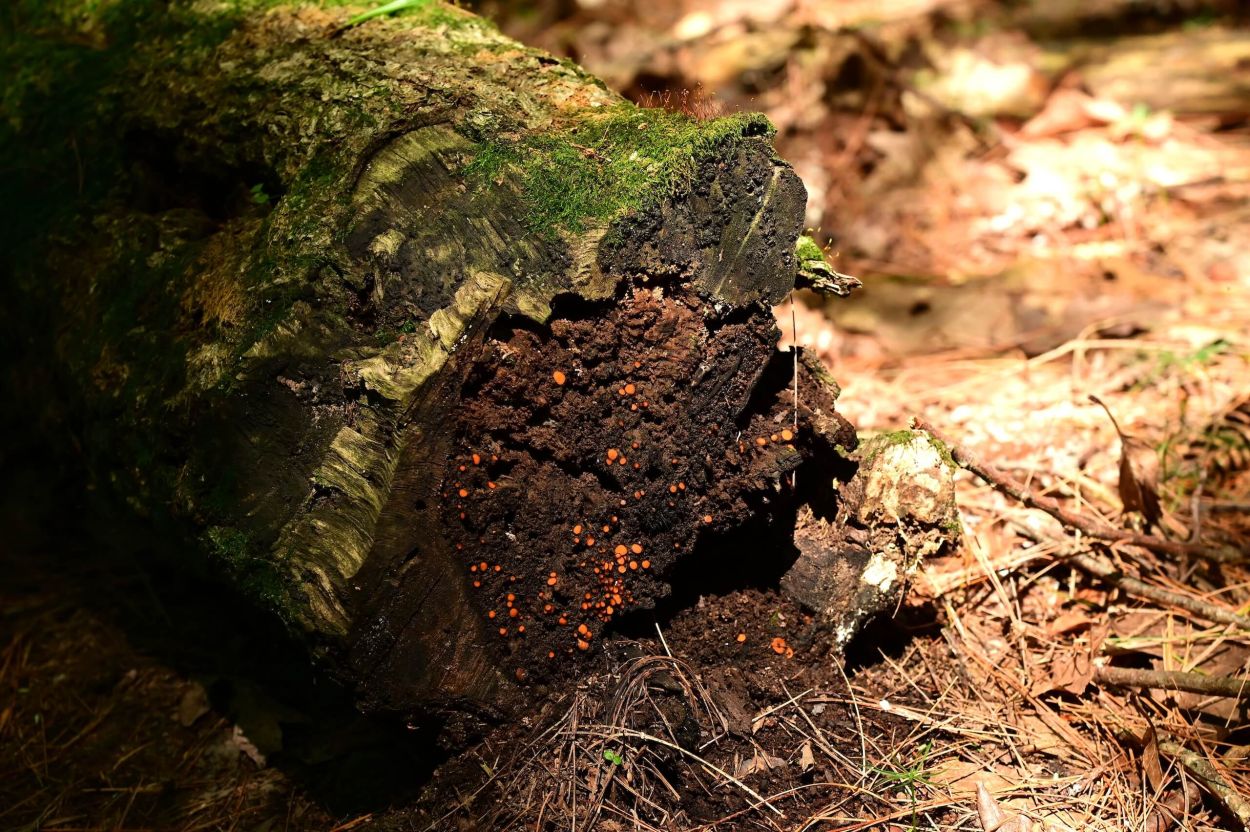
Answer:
(443, 352)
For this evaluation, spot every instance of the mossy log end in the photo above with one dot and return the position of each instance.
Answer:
(445, 352)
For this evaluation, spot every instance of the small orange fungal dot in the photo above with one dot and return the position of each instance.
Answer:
(619, 550)
(477, 459)
(787, 435)
(761, 441)
(646, 564)
(464, 492)
(613, 453)
(636, 548)
(778, 645)
(741, 637)
(559, 377)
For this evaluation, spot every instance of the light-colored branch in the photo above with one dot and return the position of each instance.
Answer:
(1227, 686)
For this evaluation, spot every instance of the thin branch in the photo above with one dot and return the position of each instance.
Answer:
(1130, 677)
(1086, 525)
(1079, 556)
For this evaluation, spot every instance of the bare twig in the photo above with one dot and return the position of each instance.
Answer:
(1079, 557)
(1086, 525)
(1174, 680)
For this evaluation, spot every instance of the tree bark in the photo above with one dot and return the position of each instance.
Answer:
(445, 353)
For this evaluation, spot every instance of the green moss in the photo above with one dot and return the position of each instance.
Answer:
(227, 543)
(944, 452)
(255, 576)
(872, 446)
(806, 250)
(605, 164)
(431, 13)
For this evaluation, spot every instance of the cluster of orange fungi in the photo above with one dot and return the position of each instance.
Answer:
(610, 563)
(780, 647)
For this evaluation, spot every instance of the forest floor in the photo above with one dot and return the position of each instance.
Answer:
(1044, 202)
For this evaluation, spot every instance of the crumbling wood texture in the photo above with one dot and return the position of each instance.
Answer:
(442, 351)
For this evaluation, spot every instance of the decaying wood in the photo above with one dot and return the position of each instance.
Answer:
(897, 510)
(442, 351)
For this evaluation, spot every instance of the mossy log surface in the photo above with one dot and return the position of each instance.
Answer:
(444, 352)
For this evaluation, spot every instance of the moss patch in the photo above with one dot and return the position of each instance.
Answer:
(874, 445)
(432, 13)
(624, 159)
(807, 252)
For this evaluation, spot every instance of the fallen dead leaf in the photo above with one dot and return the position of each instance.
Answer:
(1139, 472)
(192, 706)
(758, 763)
(988, 810)
(240, 741)
(806, 758)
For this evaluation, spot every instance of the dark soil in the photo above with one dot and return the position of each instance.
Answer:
(748, 651)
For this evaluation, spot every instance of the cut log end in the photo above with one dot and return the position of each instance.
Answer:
(583, 460)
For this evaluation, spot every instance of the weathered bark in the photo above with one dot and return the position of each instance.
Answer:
(441, 349)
